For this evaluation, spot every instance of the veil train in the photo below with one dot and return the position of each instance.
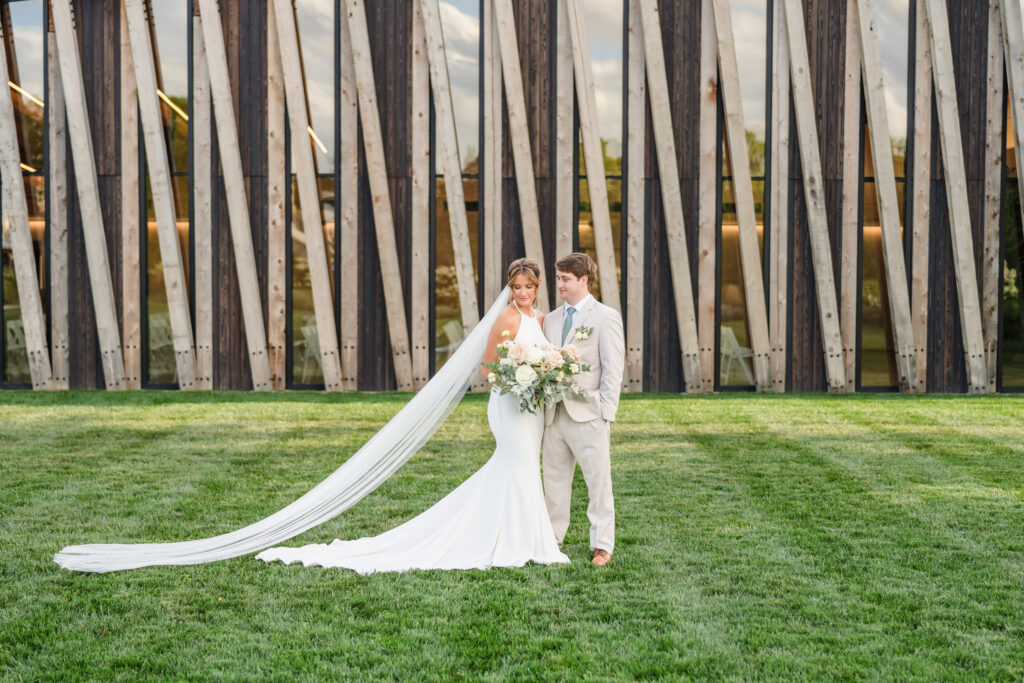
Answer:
(368, 468)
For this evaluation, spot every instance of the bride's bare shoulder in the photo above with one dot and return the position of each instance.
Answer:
(508, 319)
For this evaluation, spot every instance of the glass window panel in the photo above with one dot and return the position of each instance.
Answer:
(877, 350)
(26, 71)
(448, 332)
(892, 20)
(315, 22)
(1012, 346)
(587, 243)
(750, 30)
(306, 368)
(26, 91)
(736, 361)
(460, 22)
(604, 33)
(170, 55)
(162, 366)
(316, 41)
(326, 185)
(170, 46)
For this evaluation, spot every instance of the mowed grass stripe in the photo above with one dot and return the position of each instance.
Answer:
(759, 537)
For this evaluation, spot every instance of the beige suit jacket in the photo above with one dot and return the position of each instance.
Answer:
(604, 351)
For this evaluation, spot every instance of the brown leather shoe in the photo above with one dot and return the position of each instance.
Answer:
(601, 557)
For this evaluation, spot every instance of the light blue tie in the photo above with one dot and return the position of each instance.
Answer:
(570, 312)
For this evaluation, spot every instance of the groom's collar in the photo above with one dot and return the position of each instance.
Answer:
(583, 304)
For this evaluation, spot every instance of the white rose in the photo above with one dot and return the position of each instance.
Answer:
(491, 377)
(534, 355)
(574, 368)
(526, 375)
(507, 361)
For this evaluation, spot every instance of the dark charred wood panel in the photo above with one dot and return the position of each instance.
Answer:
(98, 28)
(825, 21)
(390, 28)
(680, 32)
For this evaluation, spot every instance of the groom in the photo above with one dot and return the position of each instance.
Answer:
(577, 431)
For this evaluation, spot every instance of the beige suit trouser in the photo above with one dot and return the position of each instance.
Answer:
(567, 442)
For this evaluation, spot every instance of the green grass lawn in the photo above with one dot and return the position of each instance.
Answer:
(759, 537)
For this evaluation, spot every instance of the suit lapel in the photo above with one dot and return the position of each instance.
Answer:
(581, 318)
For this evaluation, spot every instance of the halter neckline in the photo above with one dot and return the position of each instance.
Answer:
(521, 310)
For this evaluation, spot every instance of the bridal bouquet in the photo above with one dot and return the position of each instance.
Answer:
(539, 375)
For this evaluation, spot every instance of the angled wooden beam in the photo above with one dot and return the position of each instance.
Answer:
(376, 168)
(15, 215)
(888, 200)
(491, 190)
(420, 200)
(707, 188)
(750, 255)
(593, 156)
(309, 194)
(814, 195)
(992, 233)
(634, 220)
(519, 132)
(850, 233)
(921, 201)
(448, 152)
(961, 242)
(131, 222)
(82, 157)
(57, 211)
(234, 187)
(163, 198)
(14, 76)
(778, 218)
(671, 195)
(277, 232)
(348, 212)
(565, 134)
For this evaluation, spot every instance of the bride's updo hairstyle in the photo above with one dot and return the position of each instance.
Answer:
(528, 268)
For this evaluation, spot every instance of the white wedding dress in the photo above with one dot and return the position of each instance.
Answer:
(496, 518)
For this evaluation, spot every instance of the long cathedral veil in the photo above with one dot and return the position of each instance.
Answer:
(367, 469)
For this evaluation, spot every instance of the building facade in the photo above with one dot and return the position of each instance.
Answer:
(732, 197)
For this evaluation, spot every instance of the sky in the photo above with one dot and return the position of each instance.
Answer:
(29, 45)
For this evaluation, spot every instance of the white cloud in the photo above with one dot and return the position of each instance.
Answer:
(316, 36)
(462, 50)
(608, 93)
(892, 18)
(750, 31)
(170, 23)
(604, 28)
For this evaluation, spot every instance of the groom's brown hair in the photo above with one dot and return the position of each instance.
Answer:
(579, 264)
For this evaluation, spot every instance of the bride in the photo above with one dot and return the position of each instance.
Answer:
(496, 518)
